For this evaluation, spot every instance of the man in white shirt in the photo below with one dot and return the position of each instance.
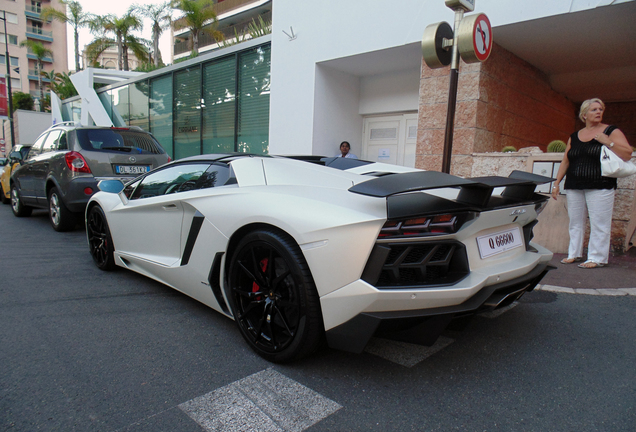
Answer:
(344, 151)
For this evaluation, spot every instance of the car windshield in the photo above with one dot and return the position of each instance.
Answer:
(118, 140)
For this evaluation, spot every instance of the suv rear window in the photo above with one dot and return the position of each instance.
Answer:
(118, 140)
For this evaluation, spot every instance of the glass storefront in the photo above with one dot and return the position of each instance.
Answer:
(216, 105)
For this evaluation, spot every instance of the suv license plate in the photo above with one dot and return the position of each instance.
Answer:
(131, 169)
(499, 242)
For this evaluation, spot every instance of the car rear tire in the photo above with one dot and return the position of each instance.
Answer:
(100, 241)
(62, 219)
(19, 209)
(273, 297)
(3, 198)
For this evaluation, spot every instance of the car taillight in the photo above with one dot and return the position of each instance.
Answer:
(169, 159)
(76, 162)
(424, 226)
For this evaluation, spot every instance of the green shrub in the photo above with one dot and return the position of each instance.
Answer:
(556, 146)
(508, 149)
(23, 101)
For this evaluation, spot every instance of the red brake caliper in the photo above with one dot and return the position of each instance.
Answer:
(263, 265)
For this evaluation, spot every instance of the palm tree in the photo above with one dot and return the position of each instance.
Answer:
(39, 51)
(75, 16)
(161, 17)
(196, 13)
(122, 28)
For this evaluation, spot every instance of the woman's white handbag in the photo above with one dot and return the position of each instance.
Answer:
(613, 166)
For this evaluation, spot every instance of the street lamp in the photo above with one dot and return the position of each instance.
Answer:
(7, 61)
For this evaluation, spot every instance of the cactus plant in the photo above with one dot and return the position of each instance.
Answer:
(556, 146)
(508, 149)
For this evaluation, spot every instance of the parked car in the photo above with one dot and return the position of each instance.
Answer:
(17, 153)
(294, 250)
(62, 168)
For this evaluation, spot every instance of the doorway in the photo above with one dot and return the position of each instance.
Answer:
(390, 139)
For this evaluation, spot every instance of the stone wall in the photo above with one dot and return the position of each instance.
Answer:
(504, 101)
(552, 230)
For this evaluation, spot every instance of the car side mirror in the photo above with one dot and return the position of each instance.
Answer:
(111, 186)
(15, 156)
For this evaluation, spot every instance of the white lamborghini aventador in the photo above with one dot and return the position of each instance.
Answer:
(297, 250)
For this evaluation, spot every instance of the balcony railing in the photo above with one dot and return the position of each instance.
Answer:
(229, 33)
(39, 31)
(226, 6)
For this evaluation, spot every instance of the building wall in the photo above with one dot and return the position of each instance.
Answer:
(333, 29)
(501, 102)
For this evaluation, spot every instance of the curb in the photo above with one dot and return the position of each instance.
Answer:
(589, 291)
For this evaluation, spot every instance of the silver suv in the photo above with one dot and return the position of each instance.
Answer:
(63, 166)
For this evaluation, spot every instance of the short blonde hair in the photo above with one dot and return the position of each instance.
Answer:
(585, 106)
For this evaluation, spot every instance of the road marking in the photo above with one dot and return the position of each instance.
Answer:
(589, 291)
(403, 353)
(265, 401)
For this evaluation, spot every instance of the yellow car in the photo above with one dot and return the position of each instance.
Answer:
(17, 153)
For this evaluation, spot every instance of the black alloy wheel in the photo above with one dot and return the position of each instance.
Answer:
(19, 209)
(99, 240)
(273, 297)
(62, 219)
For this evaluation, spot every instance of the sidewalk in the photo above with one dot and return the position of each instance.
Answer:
(617, 278)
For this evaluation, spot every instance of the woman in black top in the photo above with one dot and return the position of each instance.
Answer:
(587, 191)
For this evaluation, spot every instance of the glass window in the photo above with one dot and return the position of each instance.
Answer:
(177, 178)
(139, 105)
(107, 101)
(15, 61)
(161, 111)
(187, 107)
(121, 106)
(12, 39)
(126, 141)
(253, 101)
(36, 148)
(11, 18)
(52, 140)
(219, 103)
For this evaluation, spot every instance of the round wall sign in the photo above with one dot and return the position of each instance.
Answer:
(475, 38)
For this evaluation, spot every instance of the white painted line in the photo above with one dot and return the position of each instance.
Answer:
(589, 291)
(266, 401)
(403, 353)
(497, 312)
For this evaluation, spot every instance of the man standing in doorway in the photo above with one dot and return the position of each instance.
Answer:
(345, 147)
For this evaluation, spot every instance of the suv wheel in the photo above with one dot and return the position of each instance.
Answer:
(18, 208)
(62, 219)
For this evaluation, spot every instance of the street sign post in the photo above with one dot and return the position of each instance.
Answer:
(471, 38)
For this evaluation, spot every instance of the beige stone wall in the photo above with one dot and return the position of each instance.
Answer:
(501, 102)
(552, 229)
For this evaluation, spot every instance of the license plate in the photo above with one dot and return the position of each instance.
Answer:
(502, 241)
(131, 169)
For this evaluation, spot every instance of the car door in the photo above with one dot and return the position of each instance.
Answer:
(43, 163)
(25, 174)
(149, 225)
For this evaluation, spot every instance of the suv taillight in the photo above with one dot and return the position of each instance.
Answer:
(76, 162)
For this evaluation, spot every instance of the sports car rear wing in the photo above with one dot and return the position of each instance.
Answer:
(475, 194)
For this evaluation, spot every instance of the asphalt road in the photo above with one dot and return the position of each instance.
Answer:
(84, 350)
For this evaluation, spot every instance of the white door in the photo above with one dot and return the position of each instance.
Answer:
(390, 139)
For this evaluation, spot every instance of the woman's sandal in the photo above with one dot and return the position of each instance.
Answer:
(570, 260)
(591, 265)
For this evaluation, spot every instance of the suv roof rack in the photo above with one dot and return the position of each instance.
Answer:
(65, 123)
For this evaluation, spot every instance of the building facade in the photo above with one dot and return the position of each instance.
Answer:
(353, 71)
(24, 23)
